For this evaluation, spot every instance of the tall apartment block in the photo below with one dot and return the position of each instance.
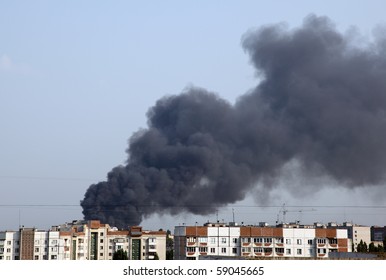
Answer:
(82, 240)
(290, 241)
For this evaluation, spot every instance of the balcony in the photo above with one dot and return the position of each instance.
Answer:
(152, 248)
(152, 241)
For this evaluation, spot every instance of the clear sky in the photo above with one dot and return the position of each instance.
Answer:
(77, 78)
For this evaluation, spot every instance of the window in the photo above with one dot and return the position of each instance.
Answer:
(213, 250)
(203, 249)
(246, 250)
(288, 241)
(9, 242)
(101, 254)
(212, 240)
(223, 240)
(234, 250)
(36, 257)
(246, 239)
(279, 250)
(299, 241)
(54, 257)
(279, 240)
(223, 250)
(101, 234)
(190, 249)
(54, 242)
(101, 241)
(234, 240)
(8, 250)
(36, 250)
(321, 241)
(322, 251)
(200, 239)
(268, 240)
(288, 251)
(258, 240)
(101, 247)
(267, 250)
(310, 241)
(258, 250)
(299, 251)
(191, 239)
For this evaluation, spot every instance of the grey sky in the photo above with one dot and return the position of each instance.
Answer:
(77, 78)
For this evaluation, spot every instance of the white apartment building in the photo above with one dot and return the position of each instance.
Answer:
(219, 239)
(9, 245)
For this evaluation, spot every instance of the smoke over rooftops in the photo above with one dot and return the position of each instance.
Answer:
(321, 101)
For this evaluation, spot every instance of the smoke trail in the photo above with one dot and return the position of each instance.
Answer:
(321, 101)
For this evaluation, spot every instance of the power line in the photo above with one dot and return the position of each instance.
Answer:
(46, 178)
(197, 205)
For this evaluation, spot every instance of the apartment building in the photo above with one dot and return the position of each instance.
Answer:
(378, 235)
(285, 241)
(9, 245)
(356, 233)
(82, 240)
(93, 240)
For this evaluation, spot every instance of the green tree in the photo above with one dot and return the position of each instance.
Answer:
(169, 246)
(120, 255)
(362, 247)
(156, 257)
(372, 248)
(169, 255)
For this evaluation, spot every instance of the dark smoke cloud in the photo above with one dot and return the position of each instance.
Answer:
(321, 101)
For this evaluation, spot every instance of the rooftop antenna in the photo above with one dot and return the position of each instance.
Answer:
(233, 214)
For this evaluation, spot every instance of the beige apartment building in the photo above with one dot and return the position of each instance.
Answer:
(82, 240)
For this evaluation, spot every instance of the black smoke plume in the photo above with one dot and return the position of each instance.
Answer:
(320, 101)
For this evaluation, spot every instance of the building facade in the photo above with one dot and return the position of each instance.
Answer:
(356, 233)
(378, 235)
(9, 245)
(286, 241)
(82, 240)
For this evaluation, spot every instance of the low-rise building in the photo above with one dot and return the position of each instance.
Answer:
(378, 235)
